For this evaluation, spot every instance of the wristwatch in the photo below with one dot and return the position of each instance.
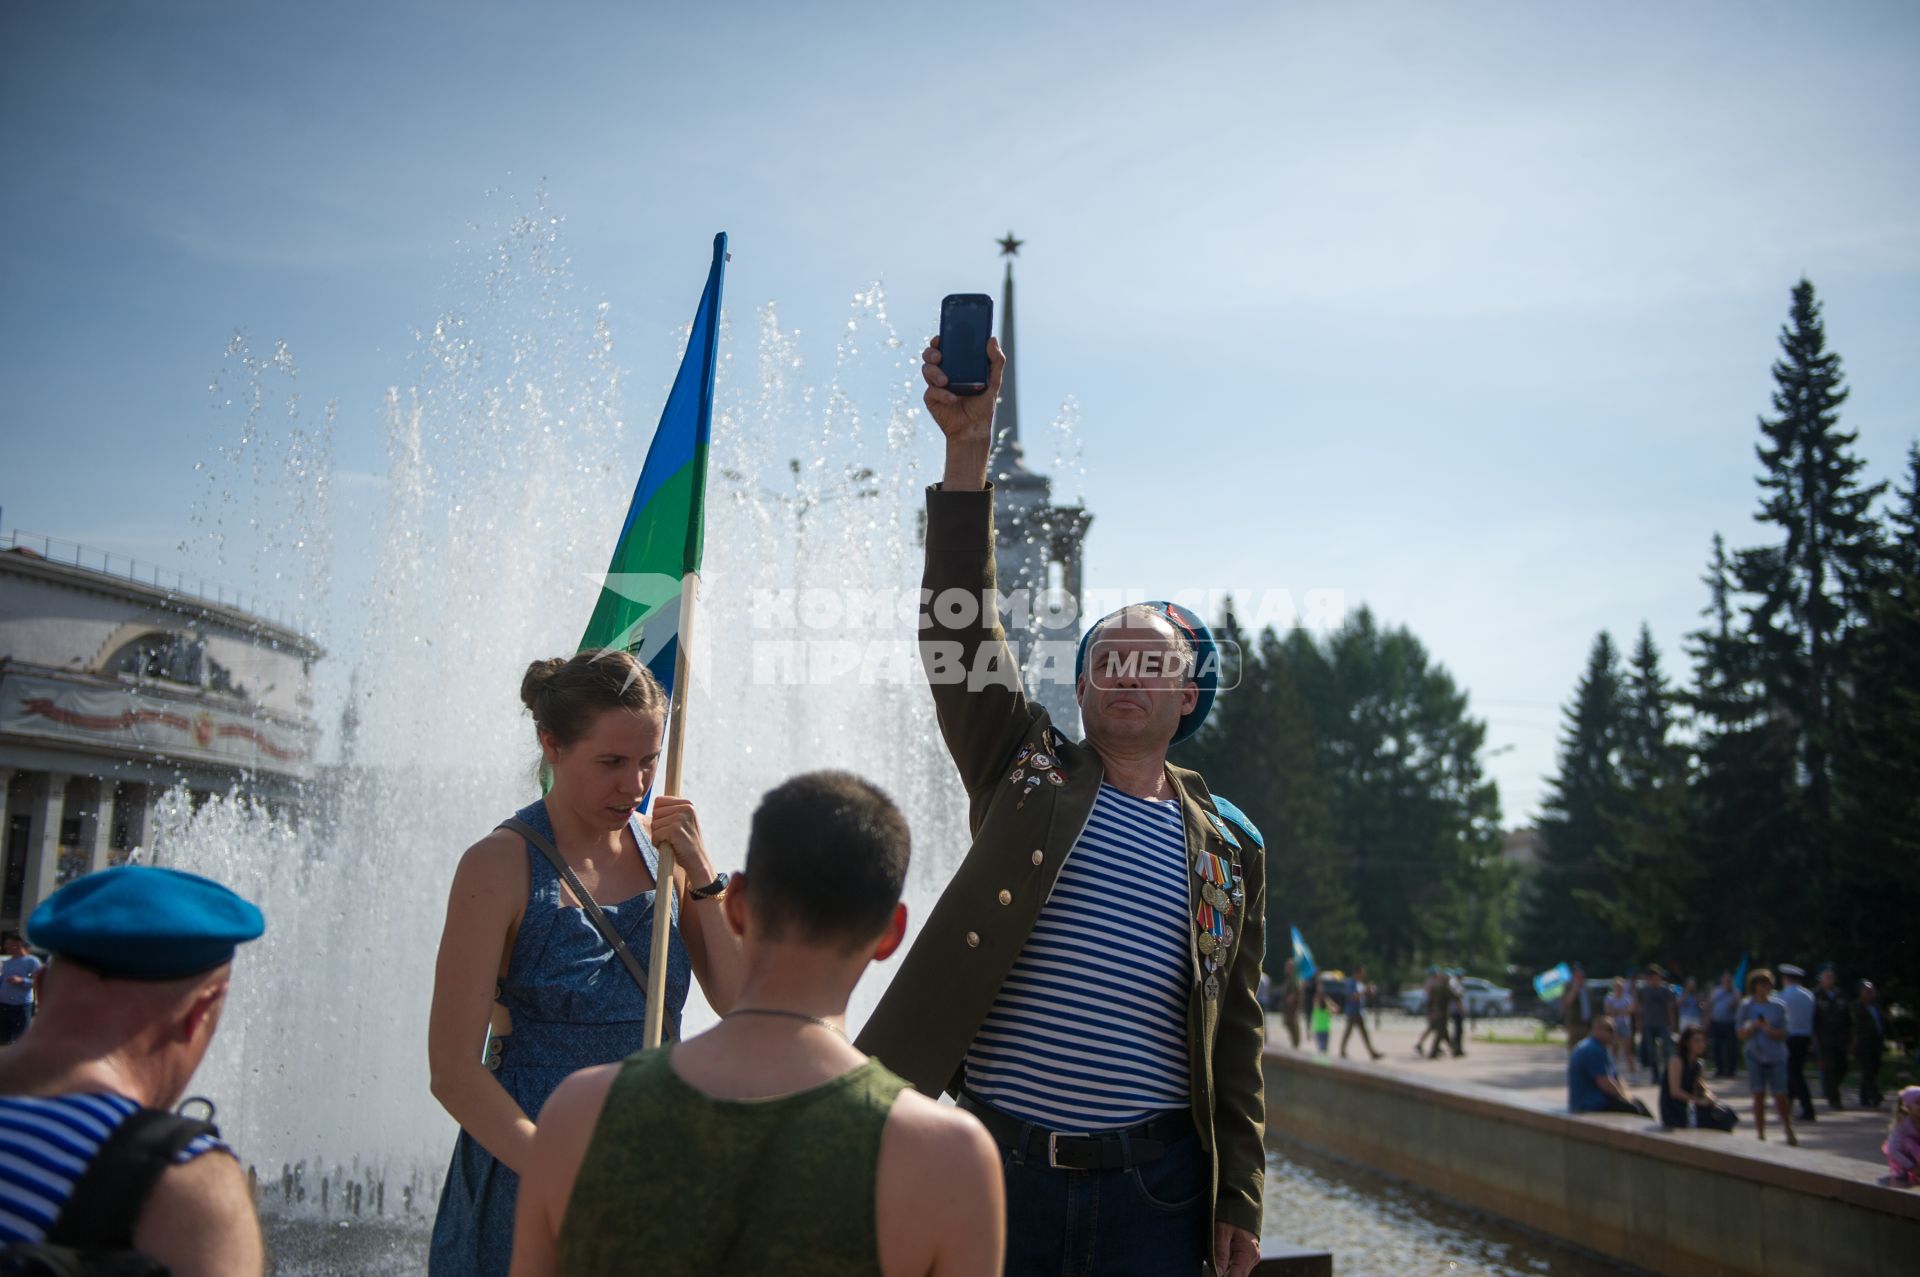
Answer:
(712, 891)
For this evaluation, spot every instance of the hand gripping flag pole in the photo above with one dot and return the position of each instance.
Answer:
(646, 604)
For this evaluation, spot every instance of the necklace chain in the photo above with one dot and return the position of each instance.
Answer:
(786, 1014)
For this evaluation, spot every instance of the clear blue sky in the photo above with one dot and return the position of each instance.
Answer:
(1465, 310)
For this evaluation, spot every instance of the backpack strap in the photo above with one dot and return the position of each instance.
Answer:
(107, 1199)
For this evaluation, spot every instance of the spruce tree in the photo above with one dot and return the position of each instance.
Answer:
(1653, 893)
(1743, 778)
(1812, 585)
(1569, 898)
(1874, 897)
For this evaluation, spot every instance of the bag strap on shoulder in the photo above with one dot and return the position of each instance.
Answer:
(595, 914)
(105, 1205)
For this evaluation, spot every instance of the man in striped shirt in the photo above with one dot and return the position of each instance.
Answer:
(1086, 984)
(130, 1003)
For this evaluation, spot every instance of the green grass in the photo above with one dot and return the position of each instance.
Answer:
(1541, 1036)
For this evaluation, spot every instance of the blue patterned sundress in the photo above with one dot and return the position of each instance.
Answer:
(573, 1006)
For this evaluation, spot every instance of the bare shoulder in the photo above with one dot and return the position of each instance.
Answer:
(499, 856)
(577, 1101)
(940, 1197)
(924, 1125)
(200, 1222)
(936, 1149)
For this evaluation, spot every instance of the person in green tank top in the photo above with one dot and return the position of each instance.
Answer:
(769, 1144)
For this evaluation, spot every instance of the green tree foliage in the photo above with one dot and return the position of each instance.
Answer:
(1570, 902)
(1811, 588)
(1655, 884)
(1786, 823)
(1743, 777)
(1877, 768)
(1419, 819)
(1357, 758)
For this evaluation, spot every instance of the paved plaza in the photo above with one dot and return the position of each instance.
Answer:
(1533, 1075)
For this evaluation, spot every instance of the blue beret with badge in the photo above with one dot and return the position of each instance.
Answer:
(1206, 653)
(141, 922)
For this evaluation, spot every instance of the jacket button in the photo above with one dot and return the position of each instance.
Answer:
(1037, 857)
(973, 939)
(1006, 897)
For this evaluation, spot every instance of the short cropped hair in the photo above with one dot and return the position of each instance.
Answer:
(826, 859)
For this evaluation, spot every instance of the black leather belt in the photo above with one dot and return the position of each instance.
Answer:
(1105, 1151)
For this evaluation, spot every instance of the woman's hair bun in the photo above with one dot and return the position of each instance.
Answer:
(539, 674)
(564, 693)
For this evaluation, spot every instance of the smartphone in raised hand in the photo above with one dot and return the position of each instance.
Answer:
(966, 321)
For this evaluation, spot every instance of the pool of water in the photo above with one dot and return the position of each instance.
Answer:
(1376, 1226)
(1373, 1225)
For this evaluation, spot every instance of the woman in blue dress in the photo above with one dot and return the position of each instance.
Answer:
(521, 957)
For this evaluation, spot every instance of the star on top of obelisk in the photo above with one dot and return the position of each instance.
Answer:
(1009, 247)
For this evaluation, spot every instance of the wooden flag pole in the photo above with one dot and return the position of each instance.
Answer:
(670, 784)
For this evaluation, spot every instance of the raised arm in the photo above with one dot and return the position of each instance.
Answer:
(976, 684)
(483, 912)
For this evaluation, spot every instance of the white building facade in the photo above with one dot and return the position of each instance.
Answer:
(112, 691)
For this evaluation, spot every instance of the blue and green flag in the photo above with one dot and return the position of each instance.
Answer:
(1553, 982)
(1302, 957)
(661, 541)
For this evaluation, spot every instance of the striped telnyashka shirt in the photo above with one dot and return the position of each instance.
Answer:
(45, 1143)
(1089, 1032)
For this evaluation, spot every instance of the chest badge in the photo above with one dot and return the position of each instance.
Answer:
(1224, 830)
(1220, 898)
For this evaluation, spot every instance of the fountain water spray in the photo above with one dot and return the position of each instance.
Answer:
(510, 462)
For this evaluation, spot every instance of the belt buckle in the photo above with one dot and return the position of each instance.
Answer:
(1053, 1150)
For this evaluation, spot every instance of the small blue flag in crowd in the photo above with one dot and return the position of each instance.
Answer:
(1302, 957)
(1553, 982)
(1740, 975)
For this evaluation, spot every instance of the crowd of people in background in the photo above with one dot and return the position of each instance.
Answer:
(1823, 1025)
(1682, 1034)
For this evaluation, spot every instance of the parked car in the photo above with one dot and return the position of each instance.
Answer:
(1483, 997)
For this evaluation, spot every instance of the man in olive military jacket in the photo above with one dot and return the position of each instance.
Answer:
(1086, 983)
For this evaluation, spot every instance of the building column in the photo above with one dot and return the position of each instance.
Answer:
(48, 809)
(133, 810)
(6, 791)
(97, 833)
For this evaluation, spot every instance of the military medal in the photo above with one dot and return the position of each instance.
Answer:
(1208, 945)
(1212, 987)
(1018, 774)
(1056, 778)
(1042, 762)
(1031, 782)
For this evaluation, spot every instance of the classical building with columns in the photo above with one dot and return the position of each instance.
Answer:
(114, 690)
(1037, 544)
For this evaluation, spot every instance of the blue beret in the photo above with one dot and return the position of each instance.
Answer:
(139, 922)
(1205, 652)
